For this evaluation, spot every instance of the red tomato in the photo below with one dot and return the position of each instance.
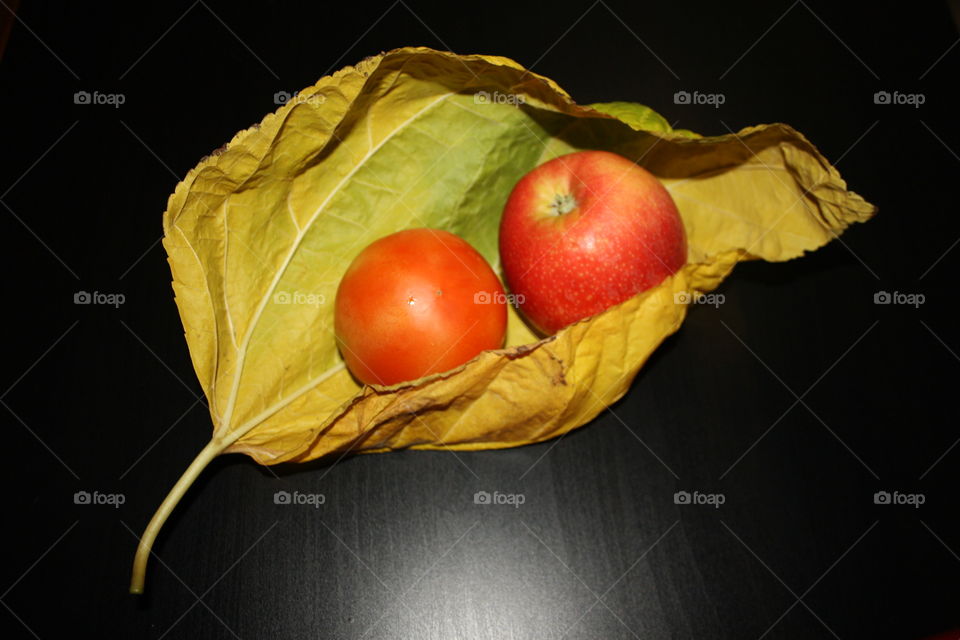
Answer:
(414, 303)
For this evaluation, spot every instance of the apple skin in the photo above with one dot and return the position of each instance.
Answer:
(584, 232)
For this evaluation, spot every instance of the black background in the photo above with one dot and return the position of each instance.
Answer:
(103, 399)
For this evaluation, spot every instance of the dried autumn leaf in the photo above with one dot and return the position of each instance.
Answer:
(259, 235)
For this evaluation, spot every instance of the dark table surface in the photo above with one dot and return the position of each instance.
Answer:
(797, 399)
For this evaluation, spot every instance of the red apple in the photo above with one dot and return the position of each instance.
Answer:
(584, 232)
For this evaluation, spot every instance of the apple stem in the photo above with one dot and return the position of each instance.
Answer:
(563, 203)
(208, 453)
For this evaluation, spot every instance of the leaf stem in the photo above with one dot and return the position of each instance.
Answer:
(214, 448)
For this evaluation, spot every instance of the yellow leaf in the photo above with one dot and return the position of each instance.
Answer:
(259, 235)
